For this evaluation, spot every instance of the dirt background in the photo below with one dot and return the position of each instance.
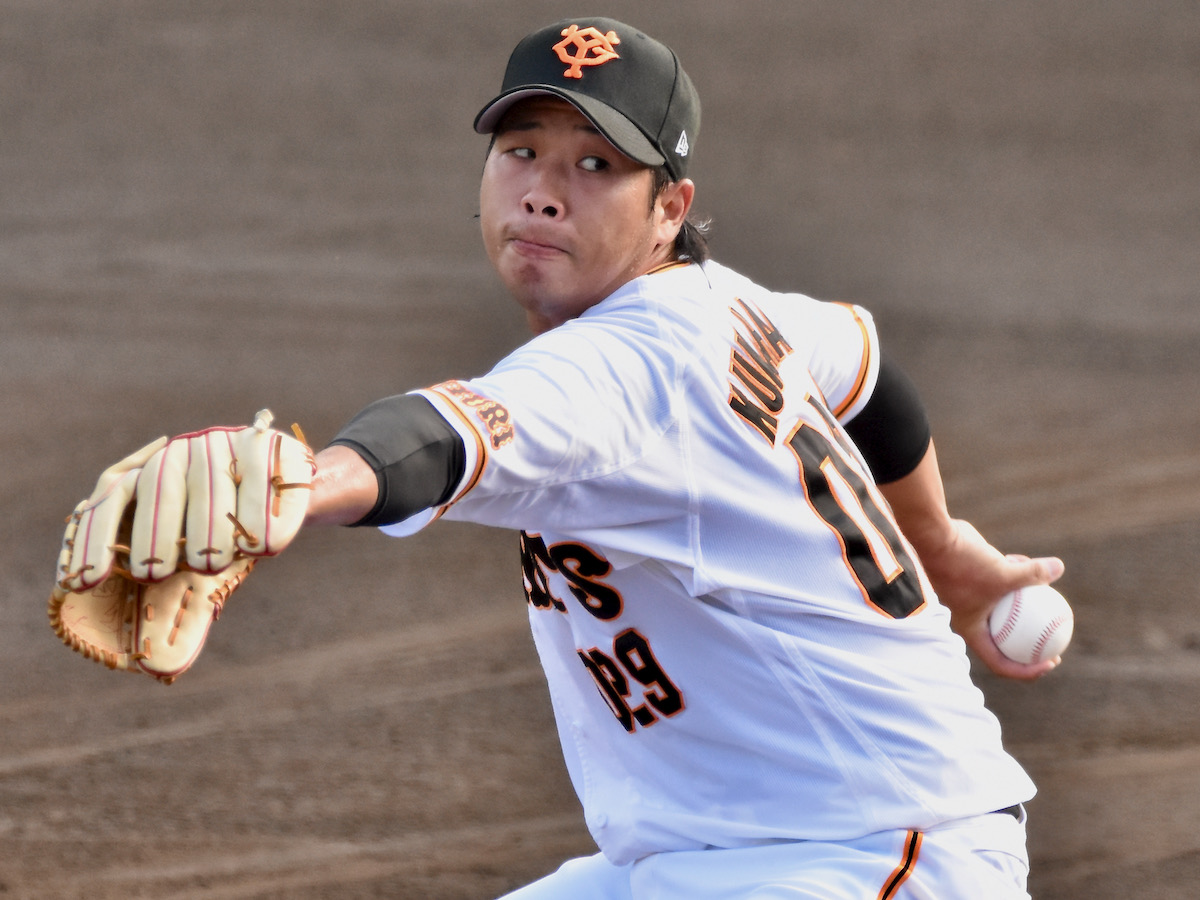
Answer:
(210, 207)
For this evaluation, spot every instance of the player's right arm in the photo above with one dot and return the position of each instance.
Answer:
(345, 488)
(395, 458)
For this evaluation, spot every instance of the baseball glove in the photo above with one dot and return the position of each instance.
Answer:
(149, 559)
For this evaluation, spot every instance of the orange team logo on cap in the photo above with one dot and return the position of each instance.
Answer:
(591, 49)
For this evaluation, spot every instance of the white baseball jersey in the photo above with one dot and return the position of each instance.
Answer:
(740, 646)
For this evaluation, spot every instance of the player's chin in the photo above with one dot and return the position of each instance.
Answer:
(542, 316)
(545, 298)
(536, 261)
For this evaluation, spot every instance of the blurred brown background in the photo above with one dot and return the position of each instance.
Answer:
(211, 207)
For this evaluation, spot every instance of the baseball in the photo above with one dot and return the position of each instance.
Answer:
(1031, 624)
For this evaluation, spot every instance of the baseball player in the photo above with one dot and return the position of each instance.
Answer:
(730, 515)
(739, 565)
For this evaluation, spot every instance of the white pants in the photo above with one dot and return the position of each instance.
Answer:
(981, 858)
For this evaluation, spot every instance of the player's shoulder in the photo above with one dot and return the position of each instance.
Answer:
(690, 305)
(682, 289)
(808, 319)
(654, 306)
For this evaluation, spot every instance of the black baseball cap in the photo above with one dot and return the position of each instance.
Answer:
(629, 85)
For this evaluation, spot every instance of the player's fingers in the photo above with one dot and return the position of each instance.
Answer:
(1028, 571)
(158, 516)
(276, 472)
(112, 477)
(1051, 568)
(989, 654)
(89, 545)
(212, 497)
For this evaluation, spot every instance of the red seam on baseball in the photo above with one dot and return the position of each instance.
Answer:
(1010, 621)
(1045, 636)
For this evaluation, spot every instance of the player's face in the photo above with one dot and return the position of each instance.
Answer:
(566, 217)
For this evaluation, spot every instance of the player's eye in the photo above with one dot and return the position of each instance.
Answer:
(593, 164)
(522, 152)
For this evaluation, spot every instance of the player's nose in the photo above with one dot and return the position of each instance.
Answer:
(550, 209)
(545, 195)
(543, 203)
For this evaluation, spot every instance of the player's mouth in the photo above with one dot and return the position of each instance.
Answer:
(535, 246)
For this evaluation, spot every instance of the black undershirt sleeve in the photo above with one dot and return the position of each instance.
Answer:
(892, 431)
(416, 455)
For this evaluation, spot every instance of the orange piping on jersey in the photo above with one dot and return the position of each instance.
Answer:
(860, 382)
(668, 266)
(912, 849)
(481, 449)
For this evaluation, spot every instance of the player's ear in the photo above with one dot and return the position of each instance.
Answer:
(672, 206)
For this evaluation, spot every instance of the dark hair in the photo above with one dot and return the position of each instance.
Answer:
(691, 243)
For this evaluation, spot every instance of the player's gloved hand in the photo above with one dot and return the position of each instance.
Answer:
(970, 577)
(149, 559)
(214, 495)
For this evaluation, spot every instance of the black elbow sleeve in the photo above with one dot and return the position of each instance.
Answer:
(892, 431)
(416, 455)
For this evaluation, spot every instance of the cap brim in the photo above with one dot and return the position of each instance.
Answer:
(617, 128)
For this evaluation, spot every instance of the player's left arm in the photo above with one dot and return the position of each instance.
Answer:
(969, 574)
